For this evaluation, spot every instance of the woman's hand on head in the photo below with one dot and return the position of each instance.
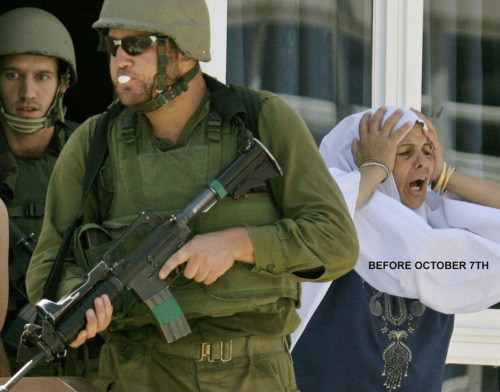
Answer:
(377, 142)
(437, 149)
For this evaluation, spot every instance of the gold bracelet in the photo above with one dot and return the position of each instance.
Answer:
(449, 171)
(380, 164)
(438, 184)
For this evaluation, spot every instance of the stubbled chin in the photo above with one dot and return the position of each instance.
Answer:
(127, 97)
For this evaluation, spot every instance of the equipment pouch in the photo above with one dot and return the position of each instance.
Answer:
(91, 242)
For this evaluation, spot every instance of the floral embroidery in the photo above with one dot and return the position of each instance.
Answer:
(397, 321)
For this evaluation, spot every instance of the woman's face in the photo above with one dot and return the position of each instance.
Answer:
(413, 167)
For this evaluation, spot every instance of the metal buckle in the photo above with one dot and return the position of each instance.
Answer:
(206, 352)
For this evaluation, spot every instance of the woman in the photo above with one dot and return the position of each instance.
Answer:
(387, 324)
(4, 283)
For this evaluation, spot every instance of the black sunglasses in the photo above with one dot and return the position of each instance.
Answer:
(133, 45)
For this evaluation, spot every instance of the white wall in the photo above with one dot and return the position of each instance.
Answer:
(218, 39)
(397, 53)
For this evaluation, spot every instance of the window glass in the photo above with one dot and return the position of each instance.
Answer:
(461, 78)
(461, 93)
(316, 54)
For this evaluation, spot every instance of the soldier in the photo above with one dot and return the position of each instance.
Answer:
(244, 266)
(37, 65)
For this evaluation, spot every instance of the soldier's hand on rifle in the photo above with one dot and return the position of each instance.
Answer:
(98, 320)
(209, 256)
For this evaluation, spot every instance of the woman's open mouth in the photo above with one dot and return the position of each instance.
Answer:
(418, 184)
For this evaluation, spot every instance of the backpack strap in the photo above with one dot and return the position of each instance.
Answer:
(97, 153)
(235, 103)
(251, 100)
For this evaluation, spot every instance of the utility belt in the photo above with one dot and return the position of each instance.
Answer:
(202, 350)
(227, 350)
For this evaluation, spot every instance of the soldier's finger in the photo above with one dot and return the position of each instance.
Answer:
(79, 340)
(92, 322)
(100, 313)
(108, 308)
(172, 263)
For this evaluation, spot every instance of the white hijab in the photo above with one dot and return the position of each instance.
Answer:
(442, 229)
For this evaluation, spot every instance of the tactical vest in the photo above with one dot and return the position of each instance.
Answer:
(140, 176)
(24, 185)
(23, 189)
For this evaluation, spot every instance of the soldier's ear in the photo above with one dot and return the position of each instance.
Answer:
(64, 83)
(65, 86)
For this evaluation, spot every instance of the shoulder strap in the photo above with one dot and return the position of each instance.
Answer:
(250, 99)
(97, 153)
(235, 101)
(63, 131)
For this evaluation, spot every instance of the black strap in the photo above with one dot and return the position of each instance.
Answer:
(97, 153)
(235, 101)
(251, 101)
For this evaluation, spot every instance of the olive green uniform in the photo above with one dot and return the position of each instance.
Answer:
(240, 323)
(24, 183)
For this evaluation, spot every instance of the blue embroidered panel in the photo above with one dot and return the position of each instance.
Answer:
(360, 339)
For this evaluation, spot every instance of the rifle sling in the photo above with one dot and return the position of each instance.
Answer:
(97, 154)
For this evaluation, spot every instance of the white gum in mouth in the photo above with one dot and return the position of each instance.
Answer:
(124, 79)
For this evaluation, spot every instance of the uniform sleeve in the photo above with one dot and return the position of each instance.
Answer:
(316, 239)
(62, 204)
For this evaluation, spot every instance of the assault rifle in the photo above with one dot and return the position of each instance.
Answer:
(138, 270)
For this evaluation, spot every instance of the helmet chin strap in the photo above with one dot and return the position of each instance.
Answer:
(165, 94)
(25, 126)
(34, 126)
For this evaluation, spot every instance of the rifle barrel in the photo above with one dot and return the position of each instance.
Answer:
(22, 372)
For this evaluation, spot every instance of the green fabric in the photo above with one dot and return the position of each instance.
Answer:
(141, 185)
(167, 311)
(309, 228)
(142, 362)
(26, 183)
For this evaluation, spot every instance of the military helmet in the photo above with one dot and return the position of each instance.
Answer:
(30, 30)
(187, 22)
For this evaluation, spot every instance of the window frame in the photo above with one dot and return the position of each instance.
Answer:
(397, 48)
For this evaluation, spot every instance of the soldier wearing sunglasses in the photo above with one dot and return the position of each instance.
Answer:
(242, 269)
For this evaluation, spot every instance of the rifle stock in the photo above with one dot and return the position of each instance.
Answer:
(138, 270)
